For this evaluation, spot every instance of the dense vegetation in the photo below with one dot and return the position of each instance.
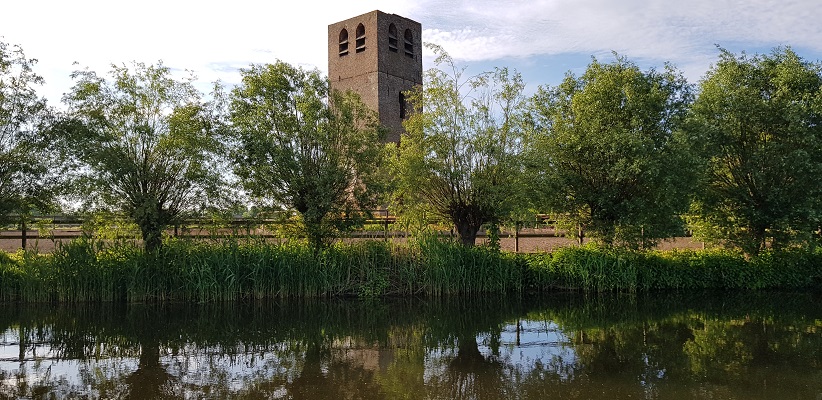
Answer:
(460, 158)
(609, 156)
(301, 146)
(623, 156)
(143, 144)
(758, 121)
(248, 270)
(27, 163)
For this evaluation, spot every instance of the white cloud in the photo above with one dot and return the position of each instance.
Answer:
(657, 29)
(214, 39)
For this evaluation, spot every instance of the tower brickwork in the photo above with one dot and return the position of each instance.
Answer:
(379, 56)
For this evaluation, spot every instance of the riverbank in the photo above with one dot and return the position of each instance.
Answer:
(232, 269)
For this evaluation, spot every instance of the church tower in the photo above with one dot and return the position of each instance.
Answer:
(379, 56)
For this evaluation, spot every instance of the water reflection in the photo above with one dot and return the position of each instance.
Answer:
(706, 345)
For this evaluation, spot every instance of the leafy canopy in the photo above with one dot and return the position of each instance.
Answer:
(605, 153)
(459, 159)
(27, 178)
(298, 145)
(760, 120)
(143, 141)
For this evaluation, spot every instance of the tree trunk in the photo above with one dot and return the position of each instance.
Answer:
(23, 232)
(467, 233)
(314, 232)
(152, 238)
(758, 241)
(149, 219)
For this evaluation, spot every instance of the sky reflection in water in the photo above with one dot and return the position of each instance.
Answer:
(721, 345)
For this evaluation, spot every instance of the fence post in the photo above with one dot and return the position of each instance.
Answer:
(385, 224)
(23, 229)
(516, 240)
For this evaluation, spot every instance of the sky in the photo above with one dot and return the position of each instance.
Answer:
(542, 39)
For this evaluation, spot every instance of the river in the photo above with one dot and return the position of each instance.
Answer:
(717, 345)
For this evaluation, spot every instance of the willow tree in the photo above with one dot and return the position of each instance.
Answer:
(144, 147)
(607, 156)
(301, 146)
(27, 179)
(760, 119)
(459, 157)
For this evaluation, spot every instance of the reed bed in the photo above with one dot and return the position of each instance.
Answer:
(592, 268)
(247, 269)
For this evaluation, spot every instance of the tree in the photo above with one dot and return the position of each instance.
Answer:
(606, 156)
(300, 146)
(459, 158)
(760, 119)
(144, 144)
(26, 166)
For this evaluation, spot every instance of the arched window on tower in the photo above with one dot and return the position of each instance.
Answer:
(403, 105)
(392, 38)
(343, 42)
(360, 38)
(409, 43)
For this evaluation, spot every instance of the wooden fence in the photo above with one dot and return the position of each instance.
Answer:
(62, 227)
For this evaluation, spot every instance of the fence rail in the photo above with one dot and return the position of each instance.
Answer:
(70, 227)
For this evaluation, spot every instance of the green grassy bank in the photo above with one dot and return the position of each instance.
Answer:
(240, 269)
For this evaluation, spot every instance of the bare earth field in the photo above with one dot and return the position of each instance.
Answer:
(534, 240)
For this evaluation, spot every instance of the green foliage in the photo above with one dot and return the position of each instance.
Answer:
(459, 160)
(592, 268)
(110, 227)
(301, 146)
(88, 270)
(606, 156)
(231, 269)
(452, 268)
(144, 145)
(10, 275)
(28, 178)
(759, 120)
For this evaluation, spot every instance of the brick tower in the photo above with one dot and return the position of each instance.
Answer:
(379, 56)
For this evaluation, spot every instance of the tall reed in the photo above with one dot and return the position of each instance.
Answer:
(450, 268)
(246, 269)
(592, 268)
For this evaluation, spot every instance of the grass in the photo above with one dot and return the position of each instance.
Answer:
(592, 268)
(247, 269)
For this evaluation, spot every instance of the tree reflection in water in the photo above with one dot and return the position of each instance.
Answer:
(663, 346)
(151, 379)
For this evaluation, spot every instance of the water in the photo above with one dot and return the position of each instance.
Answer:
(663, 346)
